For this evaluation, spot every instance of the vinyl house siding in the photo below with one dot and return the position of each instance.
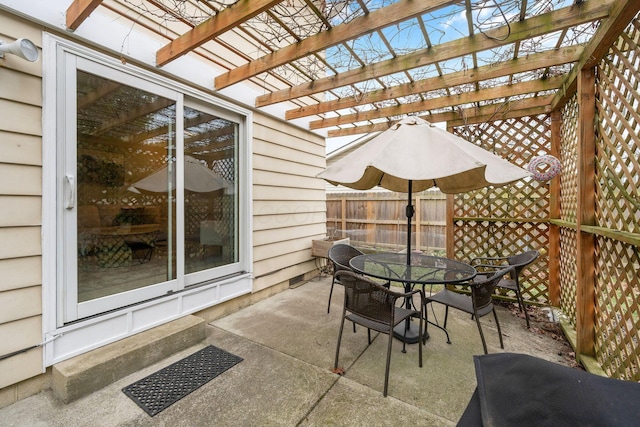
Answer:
(20, 207)
(288, 212)
(288, 201)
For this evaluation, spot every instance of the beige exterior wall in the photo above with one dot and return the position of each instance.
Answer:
(288, 211)
(20, 206)
(289, 207)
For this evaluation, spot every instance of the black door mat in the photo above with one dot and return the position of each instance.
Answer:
(161, 389)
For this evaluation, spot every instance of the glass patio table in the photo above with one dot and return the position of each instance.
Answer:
(422, 270)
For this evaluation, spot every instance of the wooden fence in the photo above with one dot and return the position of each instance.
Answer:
(378, 220)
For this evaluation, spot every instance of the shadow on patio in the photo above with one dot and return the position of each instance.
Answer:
(288, 345)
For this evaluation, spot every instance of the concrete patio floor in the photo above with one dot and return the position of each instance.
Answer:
(288, 345)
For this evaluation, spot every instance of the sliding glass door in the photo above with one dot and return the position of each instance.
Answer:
(148, 192)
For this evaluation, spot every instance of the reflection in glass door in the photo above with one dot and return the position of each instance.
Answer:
(125, 230)
(210, 196)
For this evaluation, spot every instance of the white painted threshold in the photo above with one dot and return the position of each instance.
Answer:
(83, 336)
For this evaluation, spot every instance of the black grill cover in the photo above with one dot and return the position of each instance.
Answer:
(522, 390)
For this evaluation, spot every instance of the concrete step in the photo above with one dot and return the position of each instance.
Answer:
(86, 373)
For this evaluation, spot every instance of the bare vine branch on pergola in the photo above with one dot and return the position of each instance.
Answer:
(294, 20)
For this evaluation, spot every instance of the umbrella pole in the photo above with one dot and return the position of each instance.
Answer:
(408, 331)
(410, 212)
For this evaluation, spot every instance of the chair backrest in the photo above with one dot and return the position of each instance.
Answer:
(367, 298)
(521, 260)
(482, 290)
(340, 255)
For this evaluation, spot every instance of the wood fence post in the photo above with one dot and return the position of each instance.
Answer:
(585, 251)
(370, 220)
(343, 215)
(450, 227)
(554, 213)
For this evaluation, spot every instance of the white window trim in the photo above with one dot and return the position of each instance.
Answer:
(82, 336)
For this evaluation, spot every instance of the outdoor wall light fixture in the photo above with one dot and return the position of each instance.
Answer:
(23, 48)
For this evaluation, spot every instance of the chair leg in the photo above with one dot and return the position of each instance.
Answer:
(484, 344)
(331, 293)
(495, 316)
(523, 307)
(520, 306)
(386, 372)
(335, 365)
(420, 341)
(446, 316)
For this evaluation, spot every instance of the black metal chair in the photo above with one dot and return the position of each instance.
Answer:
(339, 256)
(519, 262)
(479, 303)
(373, 306)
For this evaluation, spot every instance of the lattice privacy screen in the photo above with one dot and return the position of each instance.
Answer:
(617, 208)
(569, 208)
(508, 220)
(617, 320)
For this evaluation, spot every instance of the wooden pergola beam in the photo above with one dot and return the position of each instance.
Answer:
(532, 62)
(504, 91)
(358, 27)
(224, 21)
(78, 11)
(535, 26)
(530, 111)
(507, 110)
(103, 90)
(622, 12)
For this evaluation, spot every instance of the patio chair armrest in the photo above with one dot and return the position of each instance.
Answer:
(497, 266)
(485, 259)
(483, 277)
(401, 296)
(406, 294)
(492, 267)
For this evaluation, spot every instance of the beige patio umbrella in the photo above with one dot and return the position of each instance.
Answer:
(414, 155)
(197, 178)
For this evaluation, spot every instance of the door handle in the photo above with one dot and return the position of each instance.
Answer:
(69, 192)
